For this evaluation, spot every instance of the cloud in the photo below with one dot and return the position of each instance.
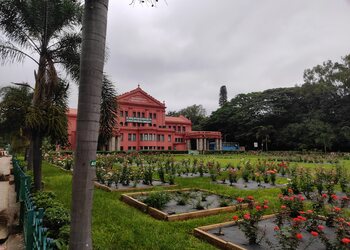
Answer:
(183, 51)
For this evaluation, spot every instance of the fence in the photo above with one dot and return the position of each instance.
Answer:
(31, 218)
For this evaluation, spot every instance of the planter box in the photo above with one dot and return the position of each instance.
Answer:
(161, 215)
(229, 237)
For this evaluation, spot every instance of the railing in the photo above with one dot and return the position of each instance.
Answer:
(31, 218)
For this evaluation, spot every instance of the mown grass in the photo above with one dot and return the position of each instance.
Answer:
(118, 226)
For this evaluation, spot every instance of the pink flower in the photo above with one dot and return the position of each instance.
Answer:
(276, 228)
(246, 216)
(240, 199)
(324, 195)
(235, 217)
(283, 207)
(320, 227)
(266, 206)
(250, 197)
(258, 207)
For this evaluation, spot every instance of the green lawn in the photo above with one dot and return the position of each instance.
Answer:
(119, 226)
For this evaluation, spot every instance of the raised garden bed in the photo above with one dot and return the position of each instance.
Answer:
(241, 184)
(228, 236)
(183, 204)
(131, 187)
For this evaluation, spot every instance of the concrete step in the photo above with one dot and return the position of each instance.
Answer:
(14, 242)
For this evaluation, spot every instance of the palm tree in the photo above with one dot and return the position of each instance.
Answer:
(91, 77)
(42, 31)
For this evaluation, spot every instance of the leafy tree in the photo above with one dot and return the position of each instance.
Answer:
(13, 109)
(196, 113)
(223, 96)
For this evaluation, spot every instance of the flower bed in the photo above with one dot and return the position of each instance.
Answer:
(242, 184)
(290, 228)
(183, 204)
(131, 186)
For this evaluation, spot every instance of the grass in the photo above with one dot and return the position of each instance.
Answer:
(116, 225)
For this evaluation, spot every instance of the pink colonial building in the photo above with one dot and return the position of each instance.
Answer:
(143, 125)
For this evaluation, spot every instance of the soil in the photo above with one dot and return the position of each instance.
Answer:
(241, 184)
(195, 197)
(234, 235)
(190, 175)
(139, 185)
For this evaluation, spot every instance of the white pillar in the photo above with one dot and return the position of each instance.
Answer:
(111, 144)
(188, 144)
(118, 143)
(205, 144)
(217, 146)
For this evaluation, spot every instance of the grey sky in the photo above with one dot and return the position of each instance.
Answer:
(183, 51)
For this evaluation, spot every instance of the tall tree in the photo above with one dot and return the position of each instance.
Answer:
(223, 96)
(41, 30)
(91, 76)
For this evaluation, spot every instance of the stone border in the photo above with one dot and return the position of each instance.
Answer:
(157, 214)
(108, 189)
(202, 233)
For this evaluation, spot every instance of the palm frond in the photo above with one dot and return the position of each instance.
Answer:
(108, 111)
(9, 53)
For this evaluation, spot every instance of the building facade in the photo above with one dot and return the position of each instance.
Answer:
(143, 125)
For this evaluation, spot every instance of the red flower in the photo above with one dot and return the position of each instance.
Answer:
(309, 211)
(320, 227)
(240, 200)
(258, 207)
(290, 190)
(313, 233)
(345, 198)
(334, 197)
(299, 236)
(246, 216)
(235, 217)
(345, 241)
(324, 195)
(276, 228)
(266, 206)
(283, 207)
(337, 209)
(250, 197)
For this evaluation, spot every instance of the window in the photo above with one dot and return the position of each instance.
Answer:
(150, 115)
(155, 116)
(134, 137)
(183, 129)
(138, 114)
(145, 137)
(141, 137)
(169, 138)
(121, 148)
(126, 124)
(158, 137)
(134, 124)
(121, 113)
(169, 148)
(154, 125)
(161, 137)
(129, 137)
(121, 123)
(178, 128)
(126, 113)
(143, 115)
(134, 114)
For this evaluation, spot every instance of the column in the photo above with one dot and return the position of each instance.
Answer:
(204, 144)
(111, 144)
(217, 146)
(189, 144)
(197, 144)
(118, 143)
(220, 144)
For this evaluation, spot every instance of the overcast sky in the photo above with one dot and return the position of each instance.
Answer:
(183, 51)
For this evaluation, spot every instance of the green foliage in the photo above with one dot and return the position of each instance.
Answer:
(314, 115)
(55, 218)
(157, 199)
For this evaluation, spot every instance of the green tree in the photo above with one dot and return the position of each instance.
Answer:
(222, 95)
(13, 110)
(195, 113)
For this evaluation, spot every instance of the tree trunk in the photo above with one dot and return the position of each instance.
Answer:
(90, 86)
(30, 155)
(36, 153)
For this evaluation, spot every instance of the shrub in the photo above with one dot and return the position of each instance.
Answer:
(54, 219)
(157, 200)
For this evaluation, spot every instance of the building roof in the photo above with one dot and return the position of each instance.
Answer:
(180, 119)
(72, 111)
(139, 91)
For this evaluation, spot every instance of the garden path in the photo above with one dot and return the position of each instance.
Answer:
(9, 208)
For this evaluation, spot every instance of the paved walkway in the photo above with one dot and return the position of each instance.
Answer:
(9, 209)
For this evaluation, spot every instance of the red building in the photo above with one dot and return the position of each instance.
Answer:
(143, 125)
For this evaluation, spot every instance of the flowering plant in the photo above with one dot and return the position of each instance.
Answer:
(249, 220)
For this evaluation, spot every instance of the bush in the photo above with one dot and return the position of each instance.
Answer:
(157, 200)
(55, 218)
(45, 200)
